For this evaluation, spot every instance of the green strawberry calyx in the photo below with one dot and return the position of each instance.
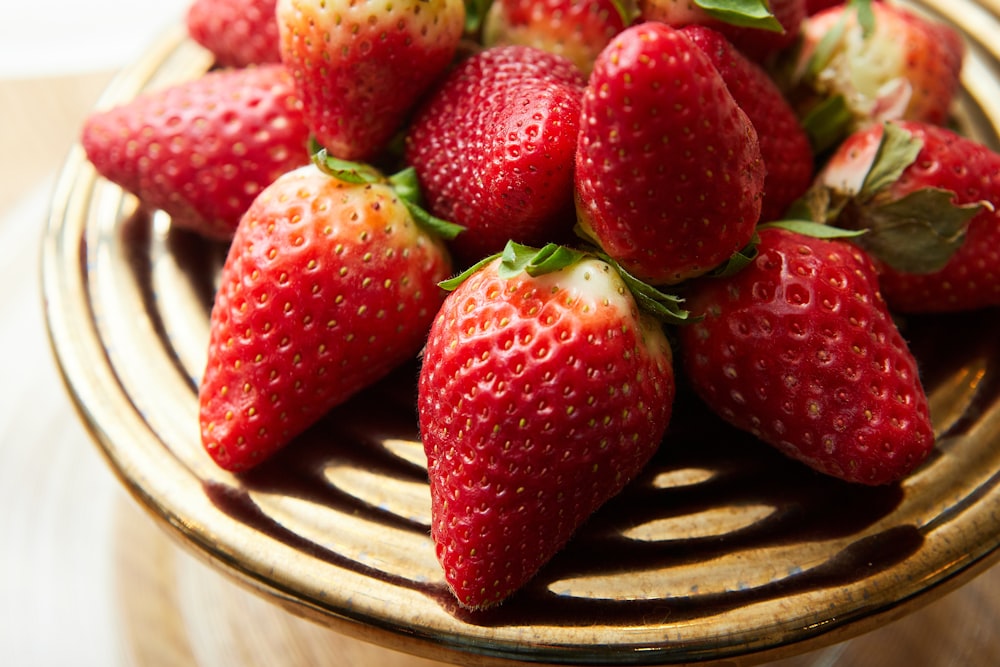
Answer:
(917, 232)
(831, 42)
(475, 15)
(404, 183)
(812, 228)
(738, 260)
(628, 10)
(743, 13)
(743, 257)
(828, 122)
(833, 115)
(517, 258)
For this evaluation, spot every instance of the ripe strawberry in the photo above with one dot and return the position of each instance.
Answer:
(799, 349)
(203, 149)
(493, 147)
(929, 200)
(761, 29)
(329, 284)
(816, 6)
(784, 144)
(543, 392)
(360, 66)
(237, 32)
(571, 28)
(878, 61)
(669, 175)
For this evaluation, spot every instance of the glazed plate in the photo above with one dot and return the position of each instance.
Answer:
(721, 551)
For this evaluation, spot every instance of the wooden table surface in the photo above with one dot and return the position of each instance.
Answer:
(86, 578)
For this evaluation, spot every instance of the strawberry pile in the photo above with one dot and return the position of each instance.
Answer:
(562, 209)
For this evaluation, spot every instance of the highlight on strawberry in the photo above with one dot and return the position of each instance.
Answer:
(574, 29)
(928, 200)
(202, 149)
(330, 283)
(761, 29)
(360, 67)
(788, 169)
(544, 389)
(669, 174)
(493, 146)
(799, 349)
(238, 33)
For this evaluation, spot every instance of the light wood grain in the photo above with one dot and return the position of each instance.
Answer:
(41, 119)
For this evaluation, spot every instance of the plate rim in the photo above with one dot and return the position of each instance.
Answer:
(64, 263)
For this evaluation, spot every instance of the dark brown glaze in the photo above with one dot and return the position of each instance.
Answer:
(740, 472)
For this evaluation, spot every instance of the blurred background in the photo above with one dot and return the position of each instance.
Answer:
(57, 497)
(55, 58)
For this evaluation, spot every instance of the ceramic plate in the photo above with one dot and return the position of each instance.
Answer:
(721, 550)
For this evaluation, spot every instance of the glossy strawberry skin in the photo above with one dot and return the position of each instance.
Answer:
(327, 287)
(494, 146)
(203, 149)
(361, 66)
(948, 161)
(669, 174)
(539, 399)
(924, 55)
(800, 350)
(784, 144)
(757, 44)
(576, 30)
(237, 32)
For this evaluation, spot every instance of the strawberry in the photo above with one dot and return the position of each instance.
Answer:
(571, 28)
(799, 349)
(493, 147)
(201, 150)
(864, 62)
(816, 6)
(928, 200)
(237, 32)
(328, 285)
(361, 66)
(669, 175)
(784, 144)
(543, 391)
(761, 29)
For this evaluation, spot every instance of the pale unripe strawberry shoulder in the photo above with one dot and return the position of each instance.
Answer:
(423, 21)
(540, 398)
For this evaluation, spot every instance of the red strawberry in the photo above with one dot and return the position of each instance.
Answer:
(203, 149)
(669, 175)
(541, 395)
(329, 284)
(784, 144)
(360, 66)
(799, 349)
(571, 28)
(879, 61)
(237, 32)
(816, 6)
(760, 29)
(494, 147)
(929, 200)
